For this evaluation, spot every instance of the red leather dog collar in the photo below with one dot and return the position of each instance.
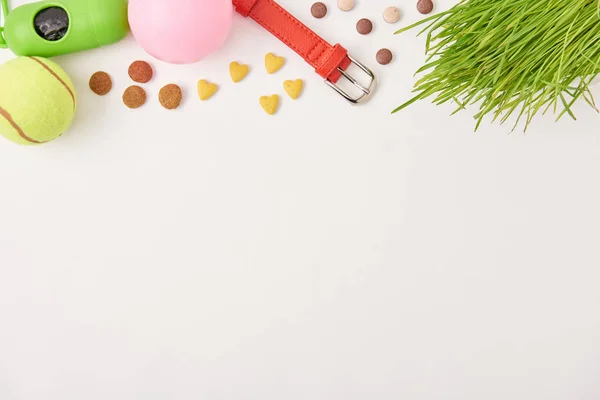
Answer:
(330, 62)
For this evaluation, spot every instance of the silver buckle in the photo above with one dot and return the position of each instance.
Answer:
(367, 92)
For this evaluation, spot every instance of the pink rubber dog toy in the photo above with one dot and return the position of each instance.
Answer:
(180, 31)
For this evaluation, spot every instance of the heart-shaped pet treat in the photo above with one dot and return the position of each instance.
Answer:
(273, 63)
(270, 103)
(206, 89)
(293, 88)
(238, 71)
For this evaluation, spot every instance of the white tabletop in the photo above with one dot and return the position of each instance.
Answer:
(328, 252)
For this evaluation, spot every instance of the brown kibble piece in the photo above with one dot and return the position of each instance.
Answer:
(318, 10)
(384, 56)
(364, 26)
(134, 97)
(425, 6)
(170, 96)
(100, 83)
(140, 71)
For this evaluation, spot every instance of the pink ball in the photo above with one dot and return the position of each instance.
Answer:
(180, 31)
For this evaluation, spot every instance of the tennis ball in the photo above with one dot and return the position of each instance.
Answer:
(37, 100)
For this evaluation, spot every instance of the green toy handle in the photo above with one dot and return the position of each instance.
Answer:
(4, 7)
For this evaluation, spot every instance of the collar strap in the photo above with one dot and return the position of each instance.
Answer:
(323, 57)
(330, 62)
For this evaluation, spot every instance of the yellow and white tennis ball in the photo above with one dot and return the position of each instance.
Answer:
(37, 100)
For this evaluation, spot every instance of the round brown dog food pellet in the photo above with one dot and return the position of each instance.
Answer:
(384, 56)
(318, 10)
(134, 97)
(140, 71)
(425, 6)
(170, 96)
(364, 26)
(100, 83)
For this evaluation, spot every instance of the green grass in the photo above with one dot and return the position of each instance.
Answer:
(511, 57)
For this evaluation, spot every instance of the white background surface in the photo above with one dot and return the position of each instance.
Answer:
(328, 252)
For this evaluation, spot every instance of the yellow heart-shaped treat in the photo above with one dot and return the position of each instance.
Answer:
(293, 88)
(270, 103)
(238, 71)
(206, 89)
(273, 63)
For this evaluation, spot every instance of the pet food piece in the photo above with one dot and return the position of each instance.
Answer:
(238, 71)
(318, 10)
(269, 103)
(346, 5)
(134, 97)
(425, 6)
(364, 26)
(140, 71)
(170, 96)
(273, 63)
(206, 89)
(384, 56)
(391, 15)
(100, 83)
(293, 88)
